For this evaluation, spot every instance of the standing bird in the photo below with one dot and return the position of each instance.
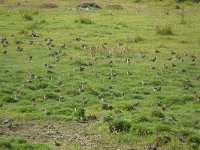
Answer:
(169, 59)
(157, 51)
(30, 58)
(19, 49)
(152, 67)
(173, 65)
(165, 66)
(157, 89)
(4, 52)
(153, 60)
(172, 52)
(56, 143)
(46, 112)
(128, 61)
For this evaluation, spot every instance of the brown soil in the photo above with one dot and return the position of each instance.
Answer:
(63, 132)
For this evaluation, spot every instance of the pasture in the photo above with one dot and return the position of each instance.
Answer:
(124, 75)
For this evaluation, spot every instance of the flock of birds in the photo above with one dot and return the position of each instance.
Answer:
(49, 43)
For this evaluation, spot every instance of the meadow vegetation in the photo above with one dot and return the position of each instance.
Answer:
(117, 75)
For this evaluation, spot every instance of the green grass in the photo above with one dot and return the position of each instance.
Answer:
(19, 144)
(105, 62)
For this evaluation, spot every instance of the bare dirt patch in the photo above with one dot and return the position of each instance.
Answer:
(1, 1)
(51, 132)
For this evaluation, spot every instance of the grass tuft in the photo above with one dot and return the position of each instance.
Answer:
(115, 7)
(83, 20)
(164, 30)
(26, 14)
(120, 126)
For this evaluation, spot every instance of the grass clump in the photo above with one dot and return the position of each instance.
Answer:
(80, 113)
(26, 14)
(180, 1)
(83, 20)
(137, 1)
(49, 5)
(9, 99)
(164, 30)
(157, 113)
(138, 38)
(162, 140)
(19, 144)
(194, 139)
(142, 130)
(120, 126)
(162, 128)
(115, 7)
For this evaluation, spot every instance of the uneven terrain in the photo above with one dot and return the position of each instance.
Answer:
(114, 75)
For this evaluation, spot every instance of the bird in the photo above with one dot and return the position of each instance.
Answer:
(81, 68)
(77, 38)
(193, 59)
(46, 112)
(84, 46)
(49, 66)
(56, 143)
(35, 35)
(152, 67)
(172, 52)
(18, 42)
(113, 73)
(45, 97)
(157, 89)
(29, 81)
(173, 65)
(183, 70)
(19, 49)
(60, 82)
(198, 78)
(16, 98)
(128, 61)
(4, 52)
(61, 98)
(142, 82)
(153, 60)
(170, 58)
(173, 118)
(185, 54)
(157, 51)
(178, 56)
(128, 73)
(85, 102)
(30, 58)
(110, 62)
(49, 71)
(31, 76)
(165, 66)
(4, 45)
(33, 99)
(30, 42)
(49, 48)
(164, 107)
(197, 98)
(63, 46)
(57, 58)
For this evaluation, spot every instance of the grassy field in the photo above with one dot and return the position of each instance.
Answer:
(126, 76)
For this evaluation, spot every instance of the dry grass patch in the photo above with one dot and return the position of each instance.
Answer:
(49, 5)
